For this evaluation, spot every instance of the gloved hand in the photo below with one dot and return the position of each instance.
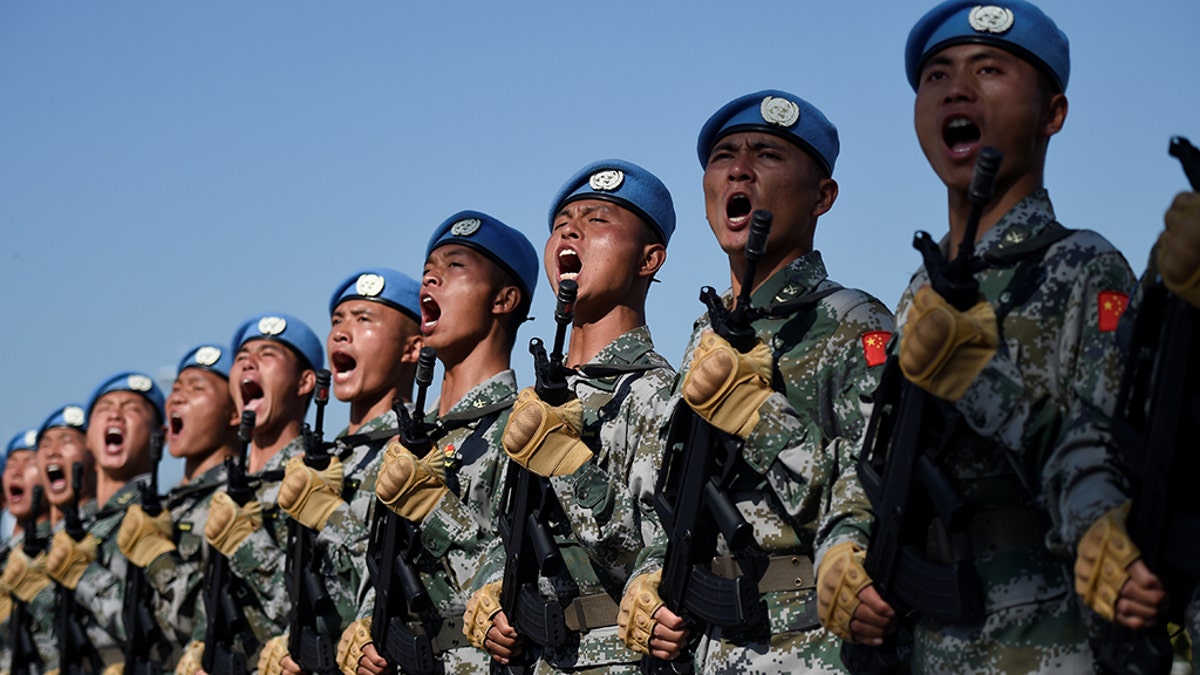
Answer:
(1178, 248)
(545, 438)
(311, 496)
(409, 486)
(725, 386)
(142, 538)
(68, 558)
(271, 654)
(25, 576)
(840, 577)
(350, 649)
(114, 669)
(1104, 554)
(481, 607)
(942, 349)
(191, 661)
(229, 524)
(635, 619)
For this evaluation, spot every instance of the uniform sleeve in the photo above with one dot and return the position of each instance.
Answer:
(262, 564)
(177, 578)
(101, 589)
(344, 541)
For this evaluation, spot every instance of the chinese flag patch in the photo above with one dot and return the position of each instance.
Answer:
(1111, 305)
(875, 346)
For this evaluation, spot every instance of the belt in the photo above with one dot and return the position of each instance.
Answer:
(587, 612)
(449, 636)
(989, 533)
(784, 572)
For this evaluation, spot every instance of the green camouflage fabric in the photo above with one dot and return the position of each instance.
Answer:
(44, 606)
(178, 577)
(457, 531)
(1036, 437)
(40, 630)
(799, 454)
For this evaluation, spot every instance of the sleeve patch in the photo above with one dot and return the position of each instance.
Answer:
(875, 346)
(1111, 305)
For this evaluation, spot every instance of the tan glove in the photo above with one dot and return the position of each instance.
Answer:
(6, 608)
(68, 558)
(1101, 566)
(142, 538)
(545, 438)
(229, 524)
(725, 386)
(635, 619)
(840, 578)
(481, 607)
(270, 657)
(192, 659)
(311, 496)
(942, 349)
(1178, 248)
(409, 486)
(350, 649)
(23, 576)
(114, 669)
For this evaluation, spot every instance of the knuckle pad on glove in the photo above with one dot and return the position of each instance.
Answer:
(482, 606)
(635, 617)
(523, 425)
(839, 581)
(270, 659)
(1101, 566)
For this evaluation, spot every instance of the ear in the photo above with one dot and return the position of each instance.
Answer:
(410, 348)
(1056, 114)
(506, 301)
(827, 190)
(653, 257)
(308, 382)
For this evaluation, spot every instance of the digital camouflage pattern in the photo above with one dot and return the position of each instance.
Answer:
(798, 454)
(1036, 439)
(457, 531)
(40, 629)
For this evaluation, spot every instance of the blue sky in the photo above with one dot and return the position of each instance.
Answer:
(170, 168)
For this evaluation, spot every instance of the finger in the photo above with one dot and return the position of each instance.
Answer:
(870, 601)
(500, 623)
(669, 619)
(661, 632)
(495, 638)
(667, 646)
(664, 655)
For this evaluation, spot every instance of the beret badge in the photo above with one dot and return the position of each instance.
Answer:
(369, 285)
(73, 415)
(272, 325)
(208, 355)
(607, 180)
(30, 439)
(466, 227)
(139, 383)
(779, 111)
(990, 19)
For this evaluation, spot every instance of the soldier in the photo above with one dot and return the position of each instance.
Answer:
(373, 343)
(123, 413)
(20, 474)
(795, 402)
(22, 577)
(609, 228)
(476, 291)
(1031, 448)
(276, 357)
(201, 430)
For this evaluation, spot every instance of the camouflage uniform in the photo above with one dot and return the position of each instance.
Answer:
(44, 607)
(1035, 442)
(795, 457)
(460, 526)
(40, 629)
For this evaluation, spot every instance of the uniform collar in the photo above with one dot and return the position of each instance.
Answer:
(385, 421)
(496, 389)
(800, 276)
(1023, 221)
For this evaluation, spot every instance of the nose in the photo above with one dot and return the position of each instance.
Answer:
(569, 229)
(961, 86)
(740, 168)
(430, 279)
(338, 334)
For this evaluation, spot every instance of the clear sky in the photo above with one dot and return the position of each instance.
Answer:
(169, 168)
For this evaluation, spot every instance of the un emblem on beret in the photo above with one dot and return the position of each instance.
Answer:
(30, 439)
(73, 415)
(990, 19)
(208, 355)
(369, 285)
(272, 325)
(607, 180)
(466, 227)
(139, 383)
(779, 111)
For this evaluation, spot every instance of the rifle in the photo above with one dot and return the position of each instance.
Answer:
(904, 485)
(25, 659)
(141, 626)
(395, 541)
(690, 498)
(528, 499)
(314, 626)
(73, 644)
(1157, 405)
(224, 648)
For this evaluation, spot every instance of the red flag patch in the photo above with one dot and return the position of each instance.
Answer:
(875, 346)
(1111, 305)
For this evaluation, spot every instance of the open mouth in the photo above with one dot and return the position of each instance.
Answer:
(430, 312)
(960, 134)
(114, 439)
(343, 365)
(252, 393)
(176, 424)
(56, 477)
(15, 493)
(737, 210)
(569, 264)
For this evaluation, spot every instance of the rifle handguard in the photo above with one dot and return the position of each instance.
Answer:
(409, 486)
(725, 386)
(142, 538)
(1178, 248)
(635, 618)
(943, 350)
(840, 578)
(1101, 566)
(67, 559)
(544, 438)
(309, 495)
(482, 606)
(229, 524)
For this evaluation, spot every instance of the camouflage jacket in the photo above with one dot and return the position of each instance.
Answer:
(805, 444)
(45, 606)
(36, 626)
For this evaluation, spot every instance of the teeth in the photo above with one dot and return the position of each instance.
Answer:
(569, 275)
(566, 252)
(176, 416)
(112, 430)
(959, 122)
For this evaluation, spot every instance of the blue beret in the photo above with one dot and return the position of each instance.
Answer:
(774, 112)
(380, 284)
(283, 328)
(139, 383)
(505, 246)
(208, 357)
(24, 440)
(1013, 25)
(623, 183)
(70, 416)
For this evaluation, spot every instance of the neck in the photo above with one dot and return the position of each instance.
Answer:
(196, 466)
(1006, 195)
(589, 337)
(365, 409)
(106, 487)
(767, 267)
(268, 442)
(461, 376)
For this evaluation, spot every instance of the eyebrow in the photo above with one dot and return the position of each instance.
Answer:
(981, 53)
(583, 209)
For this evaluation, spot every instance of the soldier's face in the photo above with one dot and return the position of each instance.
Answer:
(119, 433)
(971, 96)
(58, 449)
(458, 299)
(267, 378)
(602, 247)
(20, 476)
(368, 345)
(199, 413)
(754, 170)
